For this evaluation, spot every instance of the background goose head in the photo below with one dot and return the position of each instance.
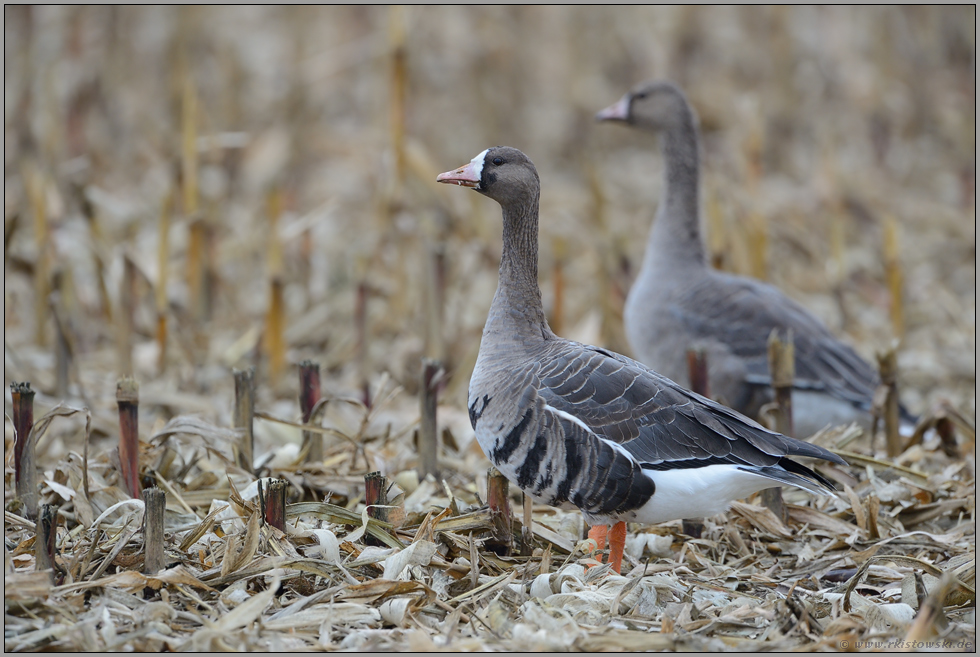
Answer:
(504, 174)
(652, 105)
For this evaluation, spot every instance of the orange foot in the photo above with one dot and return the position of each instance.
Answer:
(598, 534)
(617, 542)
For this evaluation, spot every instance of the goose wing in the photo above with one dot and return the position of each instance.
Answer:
(741, 312)
(662, 425)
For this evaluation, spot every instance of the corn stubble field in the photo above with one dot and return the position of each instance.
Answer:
(190, 192)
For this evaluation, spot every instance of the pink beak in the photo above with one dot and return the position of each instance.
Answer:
(618, 111)
(464, 176)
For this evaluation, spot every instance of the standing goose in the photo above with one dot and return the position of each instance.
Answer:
(679, 302)
(577, 425)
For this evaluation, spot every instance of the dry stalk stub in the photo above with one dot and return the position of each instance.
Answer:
(309, 395)
(44, 542)
(697, 371)
(888, 372)
(428, 433)
(376, 499)
(501, 540)
(155, 503)
(275, 505)
(244, 415)
(128, 400)
(25, 470)
(360, 331)
(948, 437)
(782, 371)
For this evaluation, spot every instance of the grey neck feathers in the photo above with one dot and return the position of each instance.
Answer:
(676, 236)
(517, 307)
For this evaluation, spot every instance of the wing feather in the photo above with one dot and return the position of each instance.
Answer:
(653, 418)
(823, 362)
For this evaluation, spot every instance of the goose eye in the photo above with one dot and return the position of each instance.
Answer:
(640, 96)
(498, 161)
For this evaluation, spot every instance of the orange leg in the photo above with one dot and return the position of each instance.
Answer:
(598, 534)
(617, 544)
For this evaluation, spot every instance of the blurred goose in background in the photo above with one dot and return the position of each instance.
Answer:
(679, 302)
(576, 425)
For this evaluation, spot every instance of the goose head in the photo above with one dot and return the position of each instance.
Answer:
(654, 105)
(502, 173)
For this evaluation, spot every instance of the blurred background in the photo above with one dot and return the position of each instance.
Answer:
(191, 190)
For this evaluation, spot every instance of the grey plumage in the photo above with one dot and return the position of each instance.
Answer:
(679, 302)
(574, 424)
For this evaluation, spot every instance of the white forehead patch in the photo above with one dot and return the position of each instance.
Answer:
(477, 163)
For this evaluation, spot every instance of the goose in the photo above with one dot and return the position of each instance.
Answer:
(574, 425)
(679, 302)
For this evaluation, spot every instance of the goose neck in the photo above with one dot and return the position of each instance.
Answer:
(676, 233)
(517, 303)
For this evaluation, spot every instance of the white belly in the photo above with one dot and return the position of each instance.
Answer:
(698, 492)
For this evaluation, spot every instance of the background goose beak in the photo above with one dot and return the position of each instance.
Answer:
(464, 176)
(618, 111)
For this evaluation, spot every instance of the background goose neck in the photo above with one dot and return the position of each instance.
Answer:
(676, 233)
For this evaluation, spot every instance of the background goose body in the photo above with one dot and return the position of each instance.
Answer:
(679, 302)
(574, 424)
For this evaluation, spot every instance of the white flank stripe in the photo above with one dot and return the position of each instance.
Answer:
(574, 420)
(568, 416)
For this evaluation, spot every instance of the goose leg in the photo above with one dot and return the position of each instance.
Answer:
(617, 544)
(598, 534)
